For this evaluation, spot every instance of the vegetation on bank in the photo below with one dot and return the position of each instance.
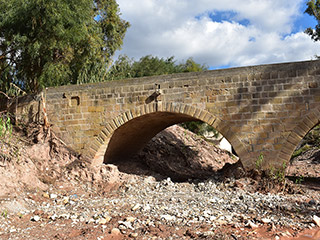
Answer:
(5, 126)
(310, 141)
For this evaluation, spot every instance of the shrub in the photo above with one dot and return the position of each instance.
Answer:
(5, 126)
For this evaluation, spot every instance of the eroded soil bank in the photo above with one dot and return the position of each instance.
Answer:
(174, 189)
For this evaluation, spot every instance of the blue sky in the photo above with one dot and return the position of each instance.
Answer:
(304, 21)
(219, 33)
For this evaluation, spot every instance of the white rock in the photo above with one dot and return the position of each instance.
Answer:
(206, 213)
(266, 220)
(53, 195)
(286, 234)
(136, 207)
(216, 200)
(104, 220)
(224, 144)
(66, 200)
(168, 217)
(101, 221)
(91, 220)
(134, 235)
(146, 208)
(122, 227)
(54, 217)
(35, 218)
(65, 216)
(125, 224)
(149, 180)
(115, 231)
(252, 225)
(130, 219)
(316, 220)
(213, 218)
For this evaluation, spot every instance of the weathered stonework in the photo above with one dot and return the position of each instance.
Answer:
(263, 109)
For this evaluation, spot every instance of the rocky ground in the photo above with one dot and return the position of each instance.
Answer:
(48, 192)
(306, 164)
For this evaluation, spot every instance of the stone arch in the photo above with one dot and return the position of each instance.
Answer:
(297, 134)
(108, 143)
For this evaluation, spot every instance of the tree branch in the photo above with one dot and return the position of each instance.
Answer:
(5, 95)
(17, 88)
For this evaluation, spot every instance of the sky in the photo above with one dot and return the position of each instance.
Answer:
(219, 33)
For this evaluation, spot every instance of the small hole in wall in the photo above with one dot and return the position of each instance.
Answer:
(75, 101)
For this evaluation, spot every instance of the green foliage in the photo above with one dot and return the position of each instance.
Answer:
(150, 66)
(5, 126)
(300, 179)
(121, 69)
(310, 141)
(313, 136)
(301, 150)
(259, 161)
(191, 66)
(313, 9)
(279, 174)
(56, 42)
(199, 127)
(4, 213)
(7, 140)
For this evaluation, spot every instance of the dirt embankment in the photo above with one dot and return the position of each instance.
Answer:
(305, 162)
(32, 158)
(180, 155)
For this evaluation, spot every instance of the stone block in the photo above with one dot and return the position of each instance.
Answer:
(95, 109)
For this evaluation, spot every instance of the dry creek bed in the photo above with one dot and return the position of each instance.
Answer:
(145, 208)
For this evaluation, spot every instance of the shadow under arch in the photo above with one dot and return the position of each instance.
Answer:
(127, 133)
(297, 134)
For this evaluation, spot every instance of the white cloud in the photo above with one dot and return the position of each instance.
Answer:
(184, 28)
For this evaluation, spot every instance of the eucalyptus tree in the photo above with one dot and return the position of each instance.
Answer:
(57, 42)
(313, 9)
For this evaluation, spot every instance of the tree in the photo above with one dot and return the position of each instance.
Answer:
(313, 9)
(191, 66)
(56, 42)
(121, 69)
(150, 66)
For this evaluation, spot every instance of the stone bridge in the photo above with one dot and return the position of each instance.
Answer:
(262, 110)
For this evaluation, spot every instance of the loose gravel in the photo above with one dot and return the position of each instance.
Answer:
(142, 203)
